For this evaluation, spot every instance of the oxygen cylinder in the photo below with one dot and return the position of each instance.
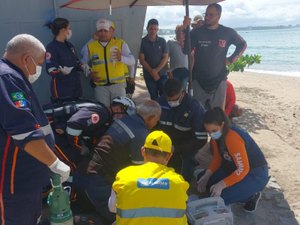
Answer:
(59, 204)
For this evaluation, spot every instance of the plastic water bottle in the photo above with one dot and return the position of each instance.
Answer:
(59, 204)
(113, 55)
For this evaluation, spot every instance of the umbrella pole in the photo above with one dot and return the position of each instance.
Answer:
(190, 87)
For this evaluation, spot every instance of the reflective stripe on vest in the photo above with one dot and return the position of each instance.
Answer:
(150, 212)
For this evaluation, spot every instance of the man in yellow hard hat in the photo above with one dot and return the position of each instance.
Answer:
(151, 193)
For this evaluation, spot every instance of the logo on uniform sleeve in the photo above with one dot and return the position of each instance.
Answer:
(48, 57)
(16, 96)
(95, 118)
(20, 104)
(19, 99)
(154, 183)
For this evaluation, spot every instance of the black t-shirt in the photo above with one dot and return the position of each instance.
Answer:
(211, 48)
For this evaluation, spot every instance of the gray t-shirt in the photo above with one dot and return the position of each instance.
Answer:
(177, 58)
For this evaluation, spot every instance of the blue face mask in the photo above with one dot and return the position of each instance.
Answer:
(216, 135)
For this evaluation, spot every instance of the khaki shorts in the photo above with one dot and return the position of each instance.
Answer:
(105, 94)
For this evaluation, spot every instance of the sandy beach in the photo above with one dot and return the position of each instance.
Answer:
(271, 106)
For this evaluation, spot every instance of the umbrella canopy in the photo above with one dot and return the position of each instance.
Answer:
(107, 4)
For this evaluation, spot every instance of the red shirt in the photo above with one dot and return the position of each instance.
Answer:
(230, 98)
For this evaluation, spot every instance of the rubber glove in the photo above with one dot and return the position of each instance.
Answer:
(60, 168)
(66, 70)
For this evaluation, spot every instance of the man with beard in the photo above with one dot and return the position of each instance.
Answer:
(211, 43)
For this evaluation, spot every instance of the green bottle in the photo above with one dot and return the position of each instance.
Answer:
(59, 204)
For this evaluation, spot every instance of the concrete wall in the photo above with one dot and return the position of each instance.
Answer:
(29, 16)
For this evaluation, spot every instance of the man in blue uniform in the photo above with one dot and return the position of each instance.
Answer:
(88, 124)
(26, 139)
(182, 120)
(78, 125)
(118, 148)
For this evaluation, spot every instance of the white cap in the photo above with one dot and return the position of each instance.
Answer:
(103, 24)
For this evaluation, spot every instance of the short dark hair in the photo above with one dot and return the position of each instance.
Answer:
(57, 24)
(172, 87)
(218, 7)
(152, 22)
(156, 153)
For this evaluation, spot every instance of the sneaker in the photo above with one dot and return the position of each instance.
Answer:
(251, 205)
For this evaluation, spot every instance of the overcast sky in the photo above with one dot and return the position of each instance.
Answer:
(236, 13)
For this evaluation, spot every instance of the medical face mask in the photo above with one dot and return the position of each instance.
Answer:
(33, 77)
(69, 35)
(216, 135)
(174, 103)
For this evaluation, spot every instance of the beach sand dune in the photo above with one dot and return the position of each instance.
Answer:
(271, 105)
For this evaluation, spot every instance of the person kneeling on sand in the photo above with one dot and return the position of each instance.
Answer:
(239, 170)
(145, 194)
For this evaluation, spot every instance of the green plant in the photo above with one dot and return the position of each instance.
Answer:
(243, 62)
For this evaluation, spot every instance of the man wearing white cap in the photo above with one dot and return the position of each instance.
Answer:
(197, 21)
(107, 58)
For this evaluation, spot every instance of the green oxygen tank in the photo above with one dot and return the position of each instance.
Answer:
(59, 204)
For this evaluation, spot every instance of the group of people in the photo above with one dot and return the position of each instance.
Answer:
(106, 60)
(137, 157)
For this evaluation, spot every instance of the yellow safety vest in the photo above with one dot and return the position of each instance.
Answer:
(108, 71)
(150, 194)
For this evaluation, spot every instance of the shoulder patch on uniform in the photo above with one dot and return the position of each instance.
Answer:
(48, 55)
(20, 104)
(95, 118)
(16, 96)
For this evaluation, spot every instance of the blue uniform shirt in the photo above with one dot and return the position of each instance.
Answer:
(63, 54)
(131, 131)
(183, 123)
(21, 120)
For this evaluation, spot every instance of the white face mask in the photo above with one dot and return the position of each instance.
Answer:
(173, 103)
(177, 102)
(33, 77)
(69, 35)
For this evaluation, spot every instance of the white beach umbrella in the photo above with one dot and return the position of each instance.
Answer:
(109, 4)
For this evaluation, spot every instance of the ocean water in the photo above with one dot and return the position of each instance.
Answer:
(279, 48)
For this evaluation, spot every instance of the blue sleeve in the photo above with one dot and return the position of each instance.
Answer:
(198, 126)
(52, 61)
(142, 47)
(136, 145)
(16, 116)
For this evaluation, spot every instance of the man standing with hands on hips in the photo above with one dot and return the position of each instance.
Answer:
(26, 138)
(107, 57)
(211, 43)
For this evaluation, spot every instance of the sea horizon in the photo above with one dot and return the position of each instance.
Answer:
(279, 50)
